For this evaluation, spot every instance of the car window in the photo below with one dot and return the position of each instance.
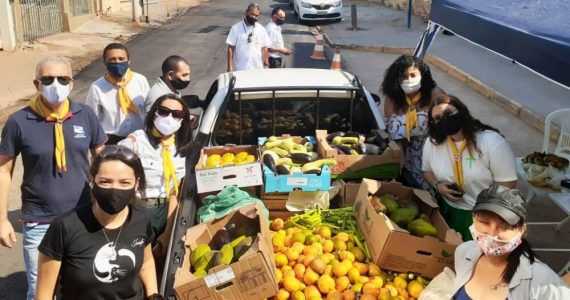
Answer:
(294, 116)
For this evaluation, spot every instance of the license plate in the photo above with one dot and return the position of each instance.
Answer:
(321, 12)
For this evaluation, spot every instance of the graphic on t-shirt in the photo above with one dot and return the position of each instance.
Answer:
(111, 265)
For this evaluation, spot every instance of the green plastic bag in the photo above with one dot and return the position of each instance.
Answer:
(230, 198)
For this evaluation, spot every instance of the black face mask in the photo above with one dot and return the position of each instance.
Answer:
(451, 123)
(112, 201)
(279, 22)
(250, 20)
(179, 84)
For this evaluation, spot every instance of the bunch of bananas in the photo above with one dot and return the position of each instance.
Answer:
(546, 159)
(284, 156)
(229, 159)
(203, 258)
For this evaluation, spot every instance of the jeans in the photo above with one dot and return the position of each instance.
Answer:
(33, 234)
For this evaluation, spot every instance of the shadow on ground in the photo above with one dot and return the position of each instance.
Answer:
(13, 286)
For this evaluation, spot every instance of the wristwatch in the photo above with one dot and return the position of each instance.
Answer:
(155, 297)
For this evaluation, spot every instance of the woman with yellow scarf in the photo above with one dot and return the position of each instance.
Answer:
(409, 89)
(463, 157)
(162, 147)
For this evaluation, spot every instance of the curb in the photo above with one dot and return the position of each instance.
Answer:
(522, 112)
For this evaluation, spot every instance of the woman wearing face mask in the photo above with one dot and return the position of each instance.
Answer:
(102, 250)
(499, 263)
(162, 146)
(409, 88)
(462, 157)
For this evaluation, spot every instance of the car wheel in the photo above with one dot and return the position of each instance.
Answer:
(299, 20)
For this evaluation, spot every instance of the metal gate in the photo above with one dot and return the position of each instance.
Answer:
(40, 18)
(80, 7)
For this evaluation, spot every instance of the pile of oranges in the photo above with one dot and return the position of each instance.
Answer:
(318, 264)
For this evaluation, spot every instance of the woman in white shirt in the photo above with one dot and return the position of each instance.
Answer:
(162, 147)
(462, 157)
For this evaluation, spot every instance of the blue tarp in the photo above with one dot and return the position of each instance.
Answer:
(535, 33)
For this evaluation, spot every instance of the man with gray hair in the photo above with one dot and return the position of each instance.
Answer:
(54, 136)
(248, 42)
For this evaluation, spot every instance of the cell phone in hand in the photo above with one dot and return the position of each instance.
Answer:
(454, 186)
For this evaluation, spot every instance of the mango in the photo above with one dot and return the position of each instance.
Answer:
(404, 215)
(326, 284)
(421, 227)
(312, 293)
(390, 203)
(415, 288)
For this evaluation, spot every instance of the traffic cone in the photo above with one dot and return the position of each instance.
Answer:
(319, 51)
(336, 61)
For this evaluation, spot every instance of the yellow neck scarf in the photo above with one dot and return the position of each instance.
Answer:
(43, 110)
(124, 99)
(411, 114)
(457, 160)
(167, 163)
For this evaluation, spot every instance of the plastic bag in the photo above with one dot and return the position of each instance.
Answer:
(230, 198)
(544, 176)
(440, 288)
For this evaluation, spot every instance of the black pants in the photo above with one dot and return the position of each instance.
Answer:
(274, 62)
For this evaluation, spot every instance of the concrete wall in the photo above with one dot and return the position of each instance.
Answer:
(419, 7)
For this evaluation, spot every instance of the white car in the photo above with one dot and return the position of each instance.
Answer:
(315, 10)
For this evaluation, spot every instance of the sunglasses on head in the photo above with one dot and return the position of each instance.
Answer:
(48, 80)
(165, 111)
(114, 150)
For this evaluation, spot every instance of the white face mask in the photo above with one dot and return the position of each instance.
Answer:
(411, 85)
(55, 92)
(167, 125)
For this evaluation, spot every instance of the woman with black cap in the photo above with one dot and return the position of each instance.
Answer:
(499, 263)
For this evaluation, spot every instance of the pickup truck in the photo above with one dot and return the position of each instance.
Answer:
(242, 106)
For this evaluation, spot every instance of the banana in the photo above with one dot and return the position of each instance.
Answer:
(227, 256)
(237, 240)
(242, 247)
(198, 253)
(316, 165)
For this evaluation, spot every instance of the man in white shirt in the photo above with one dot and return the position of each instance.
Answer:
(248, 42)
(118, 96)
(277, 48)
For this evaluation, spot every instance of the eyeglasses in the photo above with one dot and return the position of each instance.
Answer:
(48, 80)
(165, 111)
(114, 150)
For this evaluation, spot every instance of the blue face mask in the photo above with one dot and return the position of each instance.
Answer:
(118, 69)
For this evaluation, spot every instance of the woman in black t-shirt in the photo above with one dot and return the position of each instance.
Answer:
(102, 250)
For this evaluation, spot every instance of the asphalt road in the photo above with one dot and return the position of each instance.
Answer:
(198, 35)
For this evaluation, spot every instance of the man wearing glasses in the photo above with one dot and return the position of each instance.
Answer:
(248, 42)
(277, 48)
(54, 136)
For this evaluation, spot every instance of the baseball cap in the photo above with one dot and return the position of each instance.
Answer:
(503, 201)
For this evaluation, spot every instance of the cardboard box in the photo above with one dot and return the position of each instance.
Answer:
(383, 166)
(394, 248)
(252, 277)
(211, 180)
(299, 181)
(350, 191)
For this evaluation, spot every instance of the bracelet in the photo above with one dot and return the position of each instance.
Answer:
(436, 184)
